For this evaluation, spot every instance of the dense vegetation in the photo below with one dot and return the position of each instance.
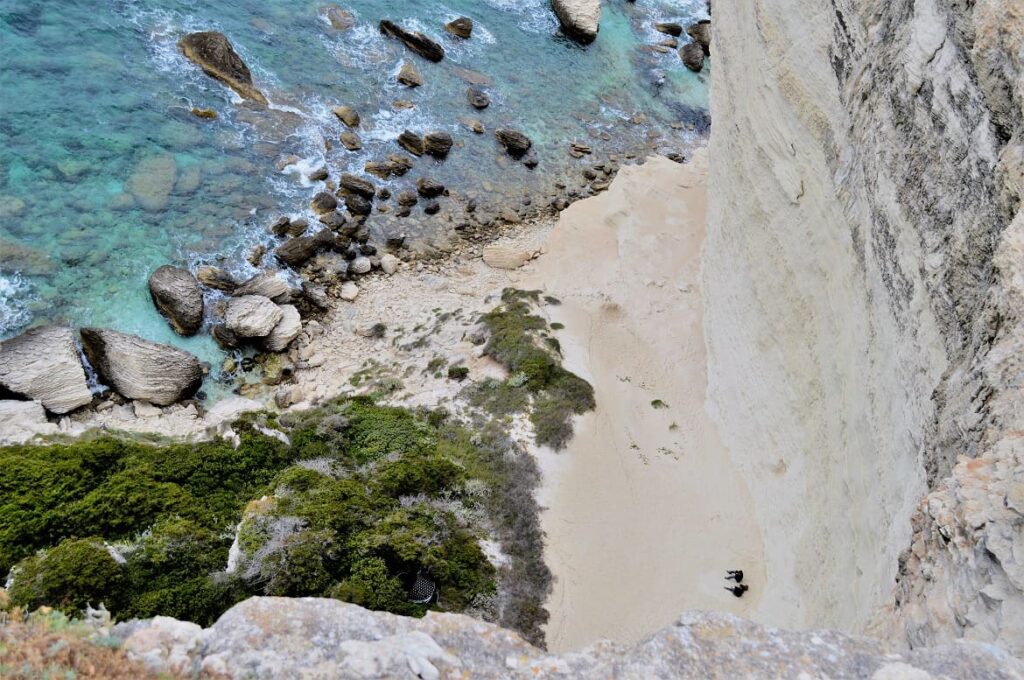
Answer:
(362, 499)
(518, 339)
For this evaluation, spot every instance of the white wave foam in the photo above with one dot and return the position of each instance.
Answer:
(15, 294)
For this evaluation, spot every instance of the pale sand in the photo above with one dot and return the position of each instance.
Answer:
(643, 518)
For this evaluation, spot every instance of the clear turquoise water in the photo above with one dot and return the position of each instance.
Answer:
(90, 90)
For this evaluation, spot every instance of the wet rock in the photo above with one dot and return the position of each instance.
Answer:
(516, 143)
(358, 205)
(406, 198)
(474, 124)
(252, 316)
(176, 294)
(432, 208)
(339, 19)
(414, 40)
(701, 34)
(403, 104)
(460, 28)
(319, 175)
(217, 279)
(334, 221)
(213, 53)
(268, 284)
(477, 97)
(411, 142)
(437, 144)
(531, 161)
(669, 28)
(347, 115)
(692, 55)
(256, 255)
(351, 141)
(297, 227)
(208, 114)
(225, 338)
(139, 369)
(296, 251)
(409, 75)
(324, 202)
(384, 194)
(42, 364)
(280, 227)
(389, 264)
(580, 19)
(357, 185)
(396, 166)
(152, 181)
(428, 188)
(286, 330)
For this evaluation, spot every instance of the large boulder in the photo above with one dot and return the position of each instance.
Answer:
(213, 53)
(295, 251)
(437, 144)
(580, 19)
(692, 55)
(252, 316)
(286, 330)
(357, 185)
(415, 41)
(217, 279)
(21, 421)
(268, 284)
(139, 369)
(42, 363)
(515, 142)
(176, 294)
(460, 28)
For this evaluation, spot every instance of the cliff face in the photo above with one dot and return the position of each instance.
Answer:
(863, 291)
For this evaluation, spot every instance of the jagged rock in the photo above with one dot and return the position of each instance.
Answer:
(338, 18)
(252, 316)
(477, 97)
(286, 330)
(389, 264)
(437, 144)
(411, 142)
(21, 421)
(460, 28)
(213, 53)
(152, 181)
(693, 56)
(347, 115)
(319, 175)
(43, 364)
(428, 188)
(268, 284)
(324, 202)
(701, 34)
(515, 142)
(139, 369)
(396, 166)
(272, 637)
(225, 338)
(357, 185)
(176, 294)
(351, 141)
(580, 19)
(296, 251)
(415, 41)
(409, 75)
(669, 28)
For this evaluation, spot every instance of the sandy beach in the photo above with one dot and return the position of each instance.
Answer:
(645, 509)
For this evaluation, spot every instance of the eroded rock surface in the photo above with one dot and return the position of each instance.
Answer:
(176, 294)
(139, 369)
(42, 363)
(213, 53)
(580, 19)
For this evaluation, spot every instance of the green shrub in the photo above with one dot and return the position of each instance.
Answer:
(75, 573)
(370, 584)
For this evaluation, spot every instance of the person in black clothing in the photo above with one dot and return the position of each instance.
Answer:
(734, 575)
(738, 590)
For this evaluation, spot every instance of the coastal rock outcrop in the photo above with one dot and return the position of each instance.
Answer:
(269, 637)
(139, 369)
(252, 316)
(414, 40)
(460, 28)
(692, 55)
(176, 294)
(286, 330)
(213, 53)
(514, 142)
(43, 364)
(580, 19)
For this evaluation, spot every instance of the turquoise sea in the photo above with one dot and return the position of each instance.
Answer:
(105, 174)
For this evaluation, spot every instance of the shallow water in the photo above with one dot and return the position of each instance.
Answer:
(105, 174)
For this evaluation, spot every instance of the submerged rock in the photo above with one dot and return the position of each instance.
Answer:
(692, 55)
(176, 294)
(213, 53)
(338, 18)
(351, 141)
(669, 28)
(139, 369)
(152, 181)
(515, 142)
(43, 364)
(415, 41)
(580, 19)
(252, 316)
(460, 28)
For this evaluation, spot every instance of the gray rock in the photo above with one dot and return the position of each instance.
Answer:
(268, 284)
(252, 316)
(213, 53)
(217, 279)
(477, 97)
(21, 421)
(324, 202)
(360, 265)
(351, 141)
(176, 294)
(580, 19)
(286, 330)
(43, 364)
(692, 55)
(139, 369)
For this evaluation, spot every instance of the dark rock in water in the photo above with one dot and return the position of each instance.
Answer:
(256, 255)
(351, 141)
(297, 227)
(319, 175)
(429, 188)
(409, 75)
(515, 143)
(208, 114)
(395, 240)
(437, 144)
(411, 142)
(531, 161)
(280, 227)
(42, 363)
(213, 53)
(217, 279)
(340, 19)
(396, 166)
(669, 28)
(701, 34)
(692, 55)
(474, 124)
(295, 251)
(176, 294)
(460, 28)
(324, 202)
(357, 185)
(368, 250)
(407, 198)
(415, 41)
(225, 338)
(432, 208)
(347, 115)
(477, 98)
(333, 221)
(140, 369)
(358, 205)
(384, 194)
(268, 284)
